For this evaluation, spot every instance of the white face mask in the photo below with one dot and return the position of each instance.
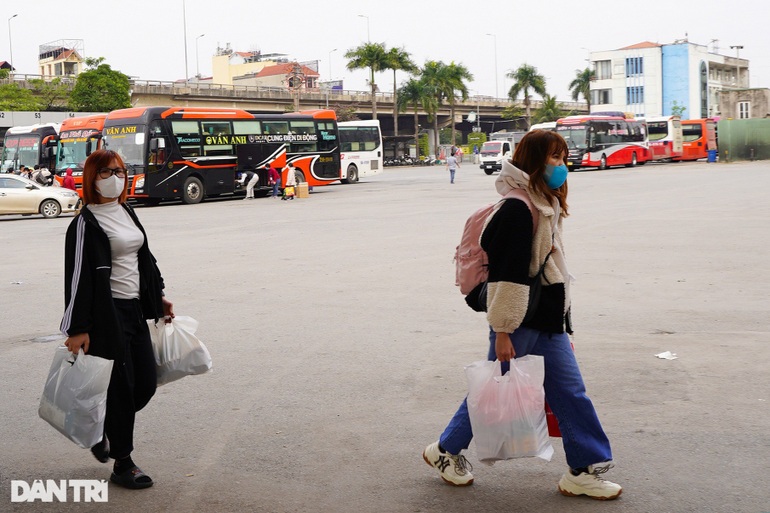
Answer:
(111, 187)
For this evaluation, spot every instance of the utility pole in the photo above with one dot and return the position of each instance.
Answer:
(737, 49)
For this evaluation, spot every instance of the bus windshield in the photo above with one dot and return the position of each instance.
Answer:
(657, 130)
(575, 136)
(72, 150)
(128, 142)
(20, 150)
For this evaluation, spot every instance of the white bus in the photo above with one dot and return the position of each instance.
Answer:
(665, 138)
(360, 149)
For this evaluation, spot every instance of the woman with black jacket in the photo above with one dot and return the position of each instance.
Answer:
(516, 251)
(112, 285)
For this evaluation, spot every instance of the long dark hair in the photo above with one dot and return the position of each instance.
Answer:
(531, 156)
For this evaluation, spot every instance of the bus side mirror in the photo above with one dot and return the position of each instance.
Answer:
(50, 151)
(157, 144)
(90, 143)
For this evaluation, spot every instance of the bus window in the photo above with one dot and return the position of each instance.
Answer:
(247, 127)
(327, 135)
(306, 139)
(657, 130)
(188, 137)
(157, 158)
(691, 132)
(215, 132)
(276, 127)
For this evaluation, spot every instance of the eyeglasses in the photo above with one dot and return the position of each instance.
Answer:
(106, 172)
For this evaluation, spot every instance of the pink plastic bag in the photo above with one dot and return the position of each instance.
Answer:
(508, 412)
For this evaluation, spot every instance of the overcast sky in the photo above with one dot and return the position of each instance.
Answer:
(145, 39)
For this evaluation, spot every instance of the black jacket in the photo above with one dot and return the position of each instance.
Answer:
(87, 293)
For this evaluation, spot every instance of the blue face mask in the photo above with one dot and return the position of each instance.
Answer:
(555, 176)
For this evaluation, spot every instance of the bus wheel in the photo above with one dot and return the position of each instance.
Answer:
(352, 174)
(633, 160)
(50, 208)
(299, 176)
(603, 163)
(193, 191)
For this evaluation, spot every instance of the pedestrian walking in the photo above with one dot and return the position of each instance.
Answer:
(291, 182)
(515, 255)
(452, 165)
(111, 286)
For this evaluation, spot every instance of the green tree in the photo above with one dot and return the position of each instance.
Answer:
(399, 59)
(100, 88)
(53, 94)
(13, 97)
(5, 73)
(512, 111)
(677, 110)
(372, 56)
(416, 94)
(525, 78)
(581, 85)
(549, 111)
(456, 75)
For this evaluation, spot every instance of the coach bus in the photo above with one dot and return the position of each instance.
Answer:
(665, 138)
(29, 146)
(78, 137)
(603, 141)
(698, 136)
(360, 149)
(189, 153)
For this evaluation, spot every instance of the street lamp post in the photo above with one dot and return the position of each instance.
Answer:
(184, 24)
(368, 38)
(737, 49)
(495, 38)
(197, 64)
(330, 64)
(10, 41)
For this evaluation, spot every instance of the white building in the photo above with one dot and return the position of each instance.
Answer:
(651, 79)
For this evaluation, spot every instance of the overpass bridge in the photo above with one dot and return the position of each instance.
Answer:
(280, 100)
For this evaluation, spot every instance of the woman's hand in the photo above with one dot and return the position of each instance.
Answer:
(168, 310)
(504, 347)
(75, 342)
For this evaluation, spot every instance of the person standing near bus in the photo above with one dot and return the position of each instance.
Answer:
(291, 182)
(273, 179)
(452, 165)
(112, 286)
(539, 168)
(69, 181)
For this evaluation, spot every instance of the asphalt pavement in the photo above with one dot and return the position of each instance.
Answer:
(339, 340)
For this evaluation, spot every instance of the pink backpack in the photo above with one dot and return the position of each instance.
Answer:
(471, 261)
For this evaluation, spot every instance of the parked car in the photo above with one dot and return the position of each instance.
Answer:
(20, 195)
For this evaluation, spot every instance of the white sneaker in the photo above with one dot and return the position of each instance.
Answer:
(454, 470)
(589, 483)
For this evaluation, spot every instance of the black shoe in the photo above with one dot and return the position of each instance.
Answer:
(101, 450)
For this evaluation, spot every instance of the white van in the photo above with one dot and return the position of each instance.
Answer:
(492, 154)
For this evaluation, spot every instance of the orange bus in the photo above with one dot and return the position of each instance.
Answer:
(78, 137)
(698, 136)
(189, 153)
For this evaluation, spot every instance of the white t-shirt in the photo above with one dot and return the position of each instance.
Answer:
(125, 240)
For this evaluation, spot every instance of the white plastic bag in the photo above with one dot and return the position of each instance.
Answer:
(508, 412)
(178, 352)
(74, 398)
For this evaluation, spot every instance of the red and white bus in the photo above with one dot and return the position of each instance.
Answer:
(189, 153)
(698, 136)
(604, 141)
(78, 137)
(665, 138)
(31, 146)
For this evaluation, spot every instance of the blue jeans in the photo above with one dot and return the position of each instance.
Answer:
(276, 186)
(582, 435)
(451, 176)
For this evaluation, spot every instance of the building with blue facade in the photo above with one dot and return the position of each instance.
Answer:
(652, 79)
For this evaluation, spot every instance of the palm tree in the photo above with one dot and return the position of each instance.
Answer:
(456, 74)
(582, 85)
(372, 56)
(414, 93)
(525, 78)
(399, 59)
(549, 111)
(434, 77)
